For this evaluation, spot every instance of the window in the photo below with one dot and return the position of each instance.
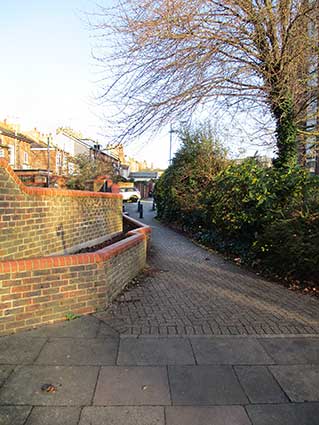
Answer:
(71, 168)
(11, 155)
(25, 164)
(58, 160)
(65, 162)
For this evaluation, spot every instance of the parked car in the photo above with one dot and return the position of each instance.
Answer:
(130, 194)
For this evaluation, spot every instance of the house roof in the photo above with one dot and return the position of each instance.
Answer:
(5, 131)
(145, 175)
(86, 142)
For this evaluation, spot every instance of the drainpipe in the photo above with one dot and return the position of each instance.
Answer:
(48, 176)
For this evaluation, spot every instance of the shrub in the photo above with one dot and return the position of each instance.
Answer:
(179, 191)
(87, 169)
(291, 247)
(267, 216)
(237, 200)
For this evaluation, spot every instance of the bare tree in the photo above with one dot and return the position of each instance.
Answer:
(171, 56)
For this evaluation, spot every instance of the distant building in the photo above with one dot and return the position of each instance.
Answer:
(72, 142)
(38, 157)
(144, 181)
(27, 153)
(125, 171)
(309, 145)
(142, 176)
(262, 159)
(75, 144)
(15, 146)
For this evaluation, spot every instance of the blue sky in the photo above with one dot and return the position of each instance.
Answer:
(48, 77)
(47, 73)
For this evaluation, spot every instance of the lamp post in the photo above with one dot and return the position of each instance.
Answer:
(171, 131)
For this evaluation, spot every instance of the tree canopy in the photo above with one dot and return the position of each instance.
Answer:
(171, 56)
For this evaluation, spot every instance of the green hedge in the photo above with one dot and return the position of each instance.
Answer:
(264, 215)
(179, 192)
(290, 247)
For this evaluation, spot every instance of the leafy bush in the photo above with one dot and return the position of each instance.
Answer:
(87, 169)
(179, 191)
(246, 197)
(290, 247)
(266, 216)
(237, 200)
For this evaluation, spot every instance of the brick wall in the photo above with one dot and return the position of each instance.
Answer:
(19, 147)
(38, 291)
(37, 222)
(59, 160)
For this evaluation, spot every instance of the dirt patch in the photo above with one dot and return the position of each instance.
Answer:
(103, 244)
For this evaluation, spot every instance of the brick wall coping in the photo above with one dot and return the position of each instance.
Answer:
(141, 227)
(42, 191)
(41, 263)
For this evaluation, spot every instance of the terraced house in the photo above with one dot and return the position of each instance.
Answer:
(33, 156)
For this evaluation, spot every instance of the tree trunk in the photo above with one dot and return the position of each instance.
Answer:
(286, 134)
(317, 157)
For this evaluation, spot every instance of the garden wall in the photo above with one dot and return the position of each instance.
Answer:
(37, 221)
(44, 290)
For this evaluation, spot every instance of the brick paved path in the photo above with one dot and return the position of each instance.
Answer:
(189, 291)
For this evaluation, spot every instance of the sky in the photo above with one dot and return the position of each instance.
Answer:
(48, 77)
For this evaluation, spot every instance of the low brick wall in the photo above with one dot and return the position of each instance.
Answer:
(37, 221)
(43, 290)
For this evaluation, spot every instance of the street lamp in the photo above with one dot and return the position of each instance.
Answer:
(171, 131)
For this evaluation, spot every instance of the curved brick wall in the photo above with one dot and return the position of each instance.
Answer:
(39, 291)
(37, 221)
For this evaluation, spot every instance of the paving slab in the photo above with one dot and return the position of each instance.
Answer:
(79, 351)
(155, 351)
(229, 350)
(284, 414)
(301, 382)
(4, 373)
(75, 386)
(217, 415)
(292, 350)
(205, 385)
(17, 349)
(122, 416)
(82, 327)
(14, 415)
(259, 385)
(54, 416)
(106, 331)
(132, 386)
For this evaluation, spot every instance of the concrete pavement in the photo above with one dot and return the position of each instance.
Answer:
(98, 377)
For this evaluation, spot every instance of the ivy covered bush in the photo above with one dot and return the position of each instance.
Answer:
(269, 217)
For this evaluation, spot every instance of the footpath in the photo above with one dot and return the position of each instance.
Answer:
(195, 341)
